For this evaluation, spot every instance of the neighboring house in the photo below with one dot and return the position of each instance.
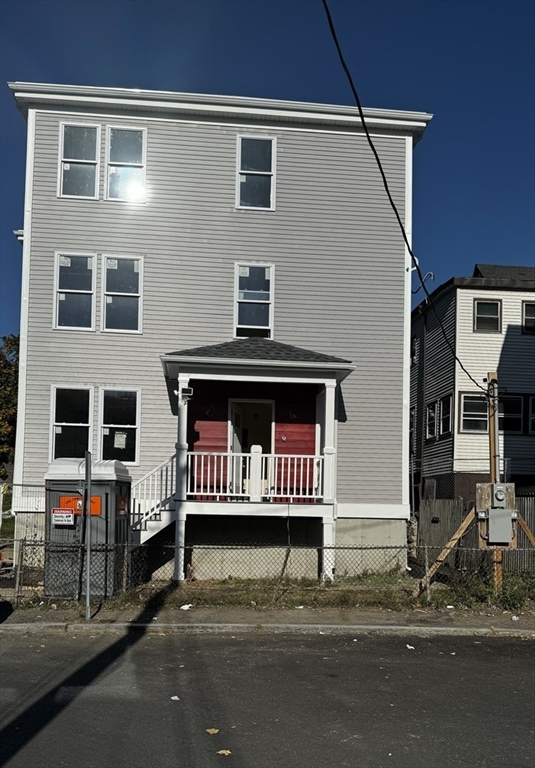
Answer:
(216, 292)
(489, 320)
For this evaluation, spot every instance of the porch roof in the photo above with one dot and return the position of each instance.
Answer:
(257, 353)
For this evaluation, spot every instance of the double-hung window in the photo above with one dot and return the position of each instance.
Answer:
(532, 414)
(256, 173)
(119, 425)
(445, 415)
(528, 317)
(510, 414)
(71, 422)
(126, 164)
(80, 149)
(254, 300)
(122, 280)
(75, 291)
(474, 413)
(431, 420)
(487, 316)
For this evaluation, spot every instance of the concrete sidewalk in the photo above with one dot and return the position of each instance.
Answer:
(452, 622)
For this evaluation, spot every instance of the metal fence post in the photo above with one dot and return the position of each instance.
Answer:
(428, 581)
(88, 535)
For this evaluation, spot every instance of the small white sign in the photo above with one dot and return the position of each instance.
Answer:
(119, 440)
(64, 261)
(62, 517)
(111, 263)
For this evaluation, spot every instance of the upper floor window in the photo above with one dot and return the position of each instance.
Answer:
(487, 316)
(75, 292)
(510, 414)
(254, 300)
(70, 433)
(122, 294)
(431, 420)
(256, 173)
(474, 413)
(126, 164)
(445, 415)
(528, 317)
(79, 161)
(119, 425)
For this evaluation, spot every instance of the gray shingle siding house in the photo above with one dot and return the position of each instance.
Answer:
(489, 320)
(215, 292)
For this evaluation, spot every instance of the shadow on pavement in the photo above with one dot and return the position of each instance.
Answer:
(29, 723)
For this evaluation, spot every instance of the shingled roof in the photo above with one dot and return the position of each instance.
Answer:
(504, 272)
(259, 349)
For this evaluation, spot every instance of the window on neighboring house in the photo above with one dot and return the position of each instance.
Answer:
(256, 176)
(414, 350)
(254, 300)
(510, 414)
(412, 430)
(474, 413)
(79, 161)
(122, 294)
(75, 285)
(528, 317)
(119, 425)
(445, 415)
(431, 420)
(126, 164)
(532, 414)
(487, 316)
(71, 423)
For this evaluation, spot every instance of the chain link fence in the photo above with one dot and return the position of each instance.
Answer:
(264, 575)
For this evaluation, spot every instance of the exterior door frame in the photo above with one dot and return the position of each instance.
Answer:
(239, 400)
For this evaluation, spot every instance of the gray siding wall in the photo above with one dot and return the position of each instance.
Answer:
(433, 377)
(339, 274)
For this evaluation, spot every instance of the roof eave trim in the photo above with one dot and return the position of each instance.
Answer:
(240, 362)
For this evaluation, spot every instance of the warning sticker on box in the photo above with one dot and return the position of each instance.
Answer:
(62, 517)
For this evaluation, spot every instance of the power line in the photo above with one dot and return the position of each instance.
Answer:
(389, 194)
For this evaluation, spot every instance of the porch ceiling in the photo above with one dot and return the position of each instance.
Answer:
(256, 354)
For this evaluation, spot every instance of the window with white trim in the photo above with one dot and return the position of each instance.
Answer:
(431, 420)
(487, 316)
(79, 161)
(445, 415)
(474, 413)
(126, 164)
(71, 423)
(532, 414)
(119, 425)
(254, 300)
(122, 293)
(256, 173)
(75, 292)
(510, 414)
(528, 317)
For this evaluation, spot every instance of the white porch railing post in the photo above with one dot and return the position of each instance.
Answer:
(255, 482)
(329, 460)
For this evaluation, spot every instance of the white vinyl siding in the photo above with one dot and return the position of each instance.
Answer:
(255, 184)
(74, 306)
(79, 154)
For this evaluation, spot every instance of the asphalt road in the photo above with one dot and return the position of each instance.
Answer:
(292, 700)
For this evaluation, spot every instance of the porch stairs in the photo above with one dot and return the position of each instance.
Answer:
(153, 502)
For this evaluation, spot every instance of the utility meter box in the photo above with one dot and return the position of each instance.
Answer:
(66, 528)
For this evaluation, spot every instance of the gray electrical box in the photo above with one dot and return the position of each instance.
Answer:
(66, 527)
(500, 526)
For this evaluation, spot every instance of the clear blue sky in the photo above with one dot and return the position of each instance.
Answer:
(470, 62)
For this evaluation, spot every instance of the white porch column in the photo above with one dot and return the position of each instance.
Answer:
(329, 450)
(255, 479)
(329, 553)
(181, 478)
